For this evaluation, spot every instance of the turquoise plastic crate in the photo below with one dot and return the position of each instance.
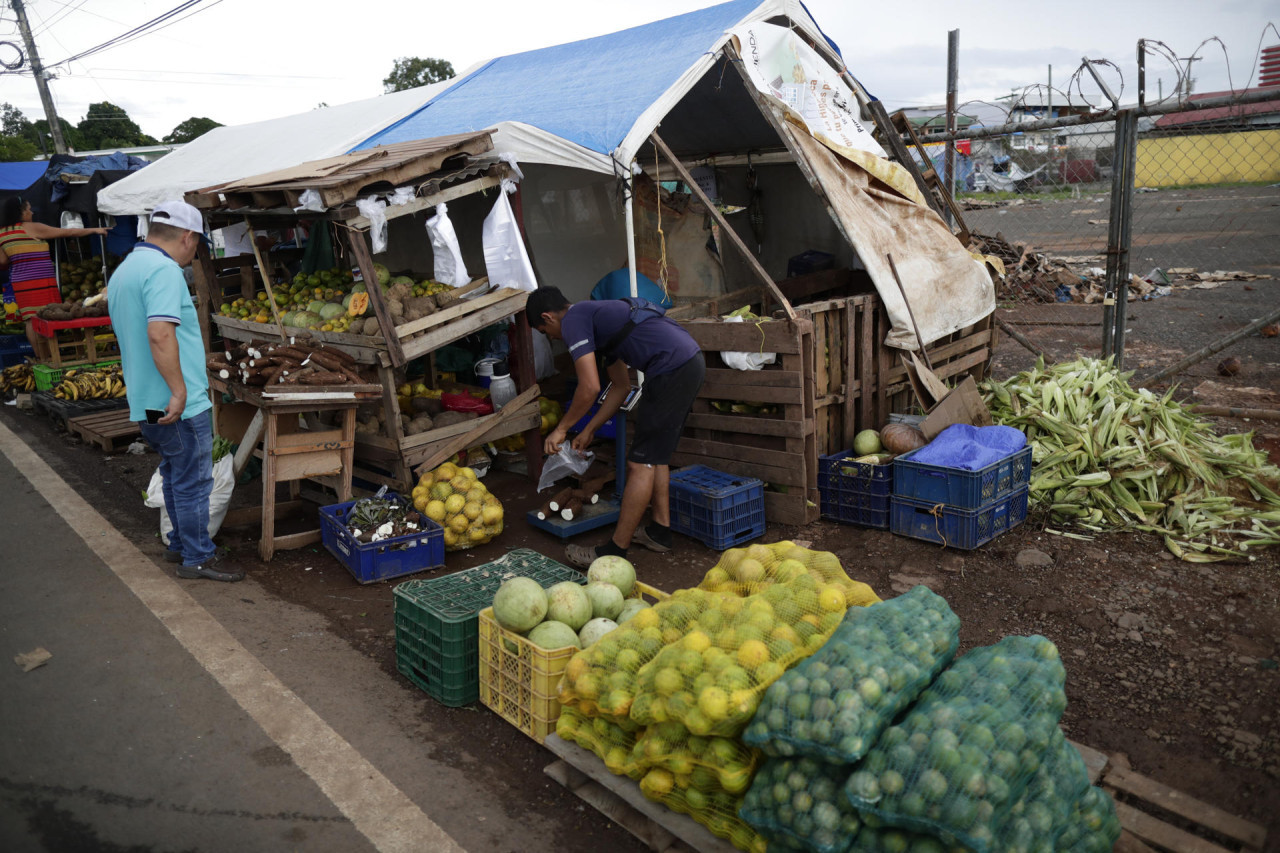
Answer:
(953, 527)
(437, 621)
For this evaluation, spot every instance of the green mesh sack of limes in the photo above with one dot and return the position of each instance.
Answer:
(963, 755)
(836, 703)
(1050, 810)
(1093, 826)
(799, 804)
(612, 743)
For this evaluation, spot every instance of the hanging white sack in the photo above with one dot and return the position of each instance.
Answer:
(374, 209)
(449, 267)
(224, 481)
(505, 259)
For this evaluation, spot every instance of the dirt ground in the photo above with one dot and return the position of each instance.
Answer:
(1171, 664)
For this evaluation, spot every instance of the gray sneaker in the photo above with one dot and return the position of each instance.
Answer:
(214, 569)
(642, 537)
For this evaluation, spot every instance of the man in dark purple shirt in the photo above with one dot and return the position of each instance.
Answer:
(673, 371)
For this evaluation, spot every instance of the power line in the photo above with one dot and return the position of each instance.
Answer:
(137, 31)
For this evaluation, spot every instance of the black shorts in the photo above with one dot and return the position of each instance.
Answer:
(664, 406)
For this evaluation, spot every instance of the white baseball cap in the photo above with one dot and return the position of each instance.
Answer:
(179, 214)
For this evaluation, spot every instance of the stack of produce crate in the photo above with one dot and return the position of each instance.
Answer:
(958, 508)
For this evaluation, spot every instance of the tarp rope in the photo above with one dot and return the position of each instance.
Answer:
(662, 238)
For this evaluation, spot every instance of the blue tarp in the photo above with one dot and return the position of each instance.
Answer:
(19, 176)
(590, 92)
(118, 161)
(970, 448)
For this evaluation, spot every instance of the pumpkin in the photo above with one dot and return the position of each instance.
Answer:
(902, 438)
(359, 304)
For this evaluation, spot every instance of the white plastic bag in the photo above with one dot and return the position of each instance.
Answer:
(374, 209)
(449, 267)
(310, 201)
(746, 360)
(224, 481)
(505, 259)
(543, 361)
(567, 461)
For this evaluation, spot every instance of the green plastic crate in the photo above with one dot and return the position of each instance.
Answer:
(437, 621)
(47, 377)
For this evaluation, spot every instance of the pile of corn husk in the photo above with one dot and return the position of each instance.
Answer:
(1112, 457)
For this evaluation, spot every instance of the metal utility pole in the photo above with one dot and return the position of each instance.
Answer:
(50, 113)
(1189, 81)
(953, 72)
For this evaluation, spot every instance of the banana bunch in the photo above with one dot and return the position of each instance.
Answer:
(19, 377)
(92, 384)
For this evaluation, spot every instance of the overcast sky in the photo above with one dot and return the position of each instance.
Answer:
(239, 61)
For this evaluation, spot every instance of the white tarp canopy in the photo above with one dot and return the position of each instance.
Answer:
(227, 153)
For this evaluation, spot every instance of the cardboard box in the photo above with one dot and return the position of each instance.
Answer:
(944, 406)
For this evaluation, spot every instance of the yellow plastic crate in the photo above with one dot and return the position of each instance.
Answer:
(520, 681)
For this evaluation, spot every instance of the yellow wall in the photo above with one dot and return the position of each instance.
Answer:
(1217, 158)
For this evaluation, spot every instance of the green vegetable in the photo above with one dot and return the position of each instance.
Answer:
(1111, 457)
(221, 447)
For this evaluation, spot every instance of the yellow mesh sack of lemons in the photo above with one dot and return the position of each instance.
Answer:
(612, 743)
(454, 498)
(700, 795)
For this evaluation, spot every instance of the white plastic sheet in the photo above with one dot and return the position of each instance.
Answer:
(374, 209)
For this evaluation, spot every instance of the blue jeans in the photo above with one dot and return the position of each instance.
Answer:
(186, 466)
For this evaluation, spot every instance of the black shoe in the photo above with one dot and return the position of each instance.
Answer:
(213, 569)
(642, 537)
(172, 556)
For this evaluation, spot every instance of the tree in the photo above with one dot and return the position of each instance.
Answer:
(108, 126)
(15, 148)
(40, 137)
(411, 72)
(191, 128)
(13, 122)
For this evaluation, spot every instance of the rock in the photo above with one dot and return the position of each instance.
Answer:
(953, 563)
(1153, 734)
(1096, 555)
(1136, 636)
(1247, 738)
(1090, 620)
(1129, 621)
(1030, 557)
(904, 583)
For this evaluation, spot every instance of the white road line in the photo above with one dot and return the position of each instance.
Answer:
(377, 808)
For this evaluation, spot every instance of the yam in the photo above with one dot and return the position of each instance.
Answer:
(450, 418)
(396, 309)
(422, 423)
(417, 307)
(371, 327)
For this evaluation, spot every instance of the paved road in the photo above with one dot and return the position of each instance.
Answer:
(187, 716)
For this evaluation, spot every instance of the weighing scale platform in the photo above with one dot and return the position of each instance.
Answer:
(592, 516)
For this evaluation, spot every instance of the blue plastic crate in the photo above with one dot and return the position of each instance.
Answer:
(854, 492)
(608, 429)
(370, 562)
(935, 484)
(957, 528)
(14, 349)
(719, 509)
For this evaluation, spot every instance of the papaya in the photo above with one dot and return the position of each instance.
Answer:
(358, 303)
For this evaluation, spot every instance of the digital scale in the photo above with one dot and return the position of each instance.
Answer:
(605, 511)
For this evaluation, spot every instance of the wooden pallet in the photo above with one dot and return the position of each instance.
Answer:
(1156, 817)
(109, 430)
(1153, 817)
(619, 799)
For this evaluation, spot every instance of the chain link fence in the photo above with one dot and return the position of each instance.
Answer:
(1202, 239)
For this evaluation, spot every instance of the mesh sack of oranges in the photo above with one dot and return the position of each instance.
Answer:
(611, 742)
(452, 497)
(835, 704)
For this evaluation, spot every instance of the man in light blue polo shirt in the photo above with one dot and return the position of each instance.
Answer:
(163, 359)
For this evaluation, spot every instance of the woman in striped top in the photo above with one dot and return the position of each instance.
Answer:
(23, 248)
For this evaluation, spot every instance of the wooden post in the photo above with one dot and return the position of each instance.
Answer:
(724, 224)
(866, 364)
(205, 280)
(525, 375)
(364, 259)
(266, 280)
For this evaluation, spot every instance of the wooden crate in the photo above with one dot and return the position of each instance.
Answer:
(779, 449)
(1156, 817)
